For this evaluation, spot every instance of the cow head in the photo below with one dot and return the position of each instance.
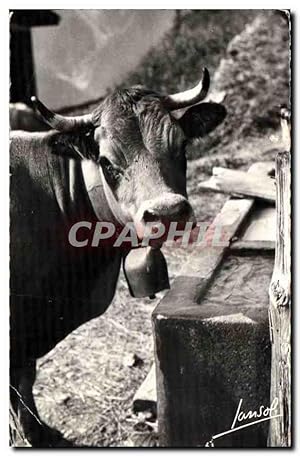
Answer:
(140, 148)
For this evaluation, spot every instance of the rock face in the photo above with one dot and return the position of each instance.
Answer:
(255, 76)
(91, 51)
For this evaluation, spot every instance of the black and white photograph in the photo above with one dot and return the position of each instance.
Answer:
(150, 228)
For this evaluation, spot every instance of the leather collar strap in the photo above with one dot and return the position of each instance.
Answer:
(101, 195)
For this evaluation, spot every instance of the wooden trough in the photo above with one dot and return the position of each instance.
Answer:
(211, 330)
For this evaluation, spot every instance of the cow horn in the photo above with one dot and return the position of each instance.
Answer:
(189, 97)
(59, 122)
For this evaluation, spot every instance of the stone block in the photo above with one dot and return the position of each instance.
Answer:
(213, 351)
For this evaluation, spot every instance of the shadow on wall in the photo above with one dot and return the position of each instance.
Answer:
(92, 50)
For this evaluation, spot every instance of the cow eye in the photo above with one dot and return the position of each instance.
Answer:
(111, 172)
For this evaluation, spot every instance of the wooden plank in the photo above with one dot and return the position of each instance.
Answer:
(252, 245)
(260, 231)
(266, 168)
(261, 225)
(280, 309)
(240, 183)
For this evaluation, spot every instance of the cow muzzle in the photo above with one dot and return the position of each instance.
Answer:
(164, 210)
(167, 207)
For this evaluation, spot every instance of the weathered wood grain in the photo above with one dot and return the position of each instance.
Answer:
(280, 308)
(261, 225)
(252, 245)
(240, 183)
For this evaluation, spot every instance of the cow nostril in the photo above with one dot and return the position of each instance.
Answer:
(177, 212)
(184, 209)
(150, 216)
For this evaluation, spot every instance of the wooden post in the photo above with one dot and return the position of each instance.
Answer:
(280, 303)
(22, 74)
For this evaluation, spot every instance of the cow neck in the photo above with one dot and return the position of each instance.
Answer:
(104, 204)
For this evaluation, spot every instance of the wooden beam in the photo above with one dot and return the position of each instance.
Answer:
(252, 245)
(24, 19)
(240, 183)
(280, 309)
(259, 232)
(261, 225)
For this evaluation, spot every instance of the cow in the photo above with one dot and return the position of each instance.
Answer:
(135, 143)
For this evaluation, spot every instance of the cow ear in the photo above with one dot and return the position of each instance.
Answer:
(201, 119)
